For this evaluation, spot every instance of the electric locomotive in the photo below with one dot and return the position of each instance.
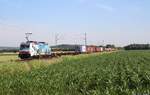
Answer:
(31, 49)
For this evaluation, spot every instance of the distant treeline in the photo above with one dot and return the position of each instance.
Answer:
(137, 47)
(8, 49)
(14, 51)
(109, 46)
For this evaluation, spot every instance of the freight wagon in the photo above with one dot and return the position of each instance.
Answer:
(67, 48)
(93, 48)
(78, 48)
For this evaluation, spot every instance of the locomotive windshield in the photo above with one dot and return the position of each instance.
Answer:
(24, 46)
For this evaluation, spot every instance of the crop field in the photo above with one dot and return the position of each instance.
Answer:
(4, 58)
(118, 73)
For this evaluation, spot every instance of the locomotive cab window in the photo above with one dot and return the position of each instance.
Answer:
(24, 47)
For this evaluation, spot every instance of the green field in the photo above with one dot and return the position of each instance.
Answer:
(118, 73)
(5, 58)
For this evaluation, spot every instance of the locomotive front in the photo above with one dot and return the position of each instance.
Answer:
(24, 51)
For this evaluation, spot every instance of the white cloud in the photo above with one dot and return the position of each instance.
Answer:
(82, 1)
(100, 6)
(105, 7)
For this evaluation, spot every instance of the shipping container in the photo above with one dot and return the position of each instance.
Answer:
(91, 48)
(82, 49)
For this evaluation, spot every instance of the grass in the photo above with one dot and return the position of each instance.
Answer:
(119, 73)
(7, 58)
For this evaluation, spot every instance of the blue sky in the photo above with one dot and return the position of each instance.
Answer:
(117, 22)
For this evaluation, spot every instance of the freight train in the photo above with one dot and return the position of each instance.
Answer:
(31, 49)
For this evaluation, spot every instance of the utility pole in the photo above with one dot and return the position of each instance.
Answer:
(85, 39)
(56, 39)
(27, 36)
(103, 43)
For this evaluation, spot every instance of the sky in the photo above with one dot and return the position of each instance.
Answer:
(119, 22)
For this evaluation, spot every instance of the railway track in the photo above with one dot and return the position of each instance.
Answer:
(53, 55)
(56, 55)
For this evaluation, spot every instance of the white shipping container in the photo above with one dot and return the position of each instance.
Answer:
(102, 49)
(83, 48)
